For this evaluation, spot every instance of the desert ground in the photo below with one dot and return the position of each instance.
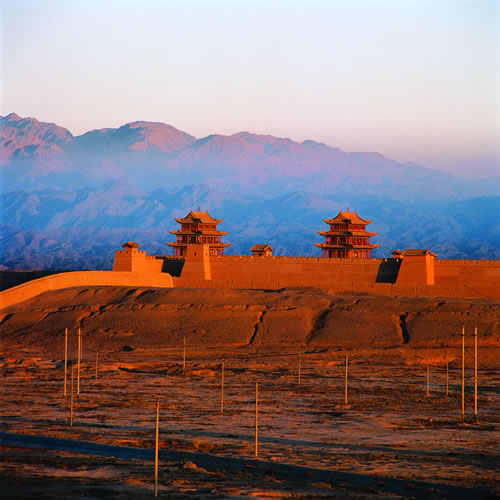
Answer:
(398, 436)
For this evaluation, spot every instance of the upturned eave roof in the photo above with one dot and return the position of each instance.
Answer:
(261, 248)
(342, 217)
(356, 234)
(413, 252)
(203, 217)
(212, 245)
(335, 246)
(131, 244)
(203, 232)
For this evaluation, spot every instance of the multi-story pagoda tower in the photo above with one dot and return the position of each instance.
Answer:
(198, 228)
(347, 237)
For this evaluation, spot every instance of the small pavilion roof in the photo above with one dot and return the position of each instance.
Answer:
(260, 248)
(203, 217)
(347, 216)
(414, 252)
(205, 232)
(131, 244)
(348, 245)
(355, 233)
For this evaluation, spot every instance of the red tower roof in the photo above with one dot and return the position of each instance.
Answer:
(343, 217)
(131, 244)
(203, 217)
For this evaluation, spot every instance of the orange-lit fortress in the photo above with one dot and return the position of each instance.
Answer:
(346, 263)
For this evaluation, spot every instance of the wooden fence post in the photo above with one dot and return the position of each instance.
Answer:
(156, 446)
(184, 358)
(300, 361)
(71, 404)
(475, 374)
(222, 389)
(346, 376)
(463, 374)
(78, 374)
(427, 392)
(447, 376)
(65, 359)
(256, 419)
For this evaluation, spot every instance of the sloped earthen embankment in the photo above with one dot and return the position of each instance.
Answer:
(114, 317)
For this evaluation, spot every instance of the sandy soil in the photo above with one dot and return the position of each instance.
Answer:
(389, 440)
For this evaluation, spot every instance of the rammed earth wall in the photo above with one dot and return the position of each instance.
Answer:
(80, 279)
(467, 272)
(467, 279)
(297, 270)
(387, 289)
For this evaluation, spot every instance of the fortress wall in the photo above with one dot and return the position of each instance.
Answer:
(291, 271)
(386, 289)
(153, 265)
(83, 278)
(473, 273)
(372, 276)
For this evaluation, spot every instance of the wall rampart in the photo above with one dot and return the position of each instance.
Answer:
(386, 289)
(294, 270)
(60, 281)
(453, 278)
(473, 273)
(288, 259)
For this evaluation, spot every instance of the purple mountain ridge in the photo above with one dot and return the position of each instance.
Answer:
(27, 137)
(153, 155)
(68, 202)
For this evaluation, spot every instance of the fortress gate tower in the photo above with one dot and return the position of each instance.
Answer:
(198, 228)
(347, 237)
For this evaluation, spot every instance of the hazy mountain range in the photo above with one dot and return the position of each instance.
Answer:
(70, 201)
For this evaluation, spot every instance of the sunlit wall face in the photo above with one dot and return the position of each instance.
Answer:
(417, 80)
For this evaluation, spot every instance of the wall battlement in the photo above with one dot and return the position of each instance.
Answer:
(283, 259)
(414, 272)
(456, 262)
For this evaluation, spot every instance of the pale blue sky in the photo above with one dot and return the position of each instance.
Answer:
(417, 80)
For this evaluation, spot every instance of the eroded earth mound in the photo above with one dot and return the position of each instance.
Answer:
(116, 318)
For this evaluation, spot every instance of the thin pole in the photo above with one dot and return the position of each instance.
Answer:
(71, 404)
(78, 375)
(447, 363)
(222, 389)
(299, 367)
(475, 374)
(65, 359)
(96, 363)
(156, 446)
(346, 375)
(463, 374)
(427, 393)
(184, 356)
(256, 419)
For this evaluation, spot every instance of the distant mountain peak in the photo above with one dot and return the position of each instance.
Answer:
(12, 117)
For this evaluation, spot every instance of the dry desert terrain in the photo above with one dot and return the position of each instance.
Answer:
(391, 439)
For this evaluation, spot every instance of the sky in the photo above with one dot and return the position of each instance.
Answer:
(416, 80)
